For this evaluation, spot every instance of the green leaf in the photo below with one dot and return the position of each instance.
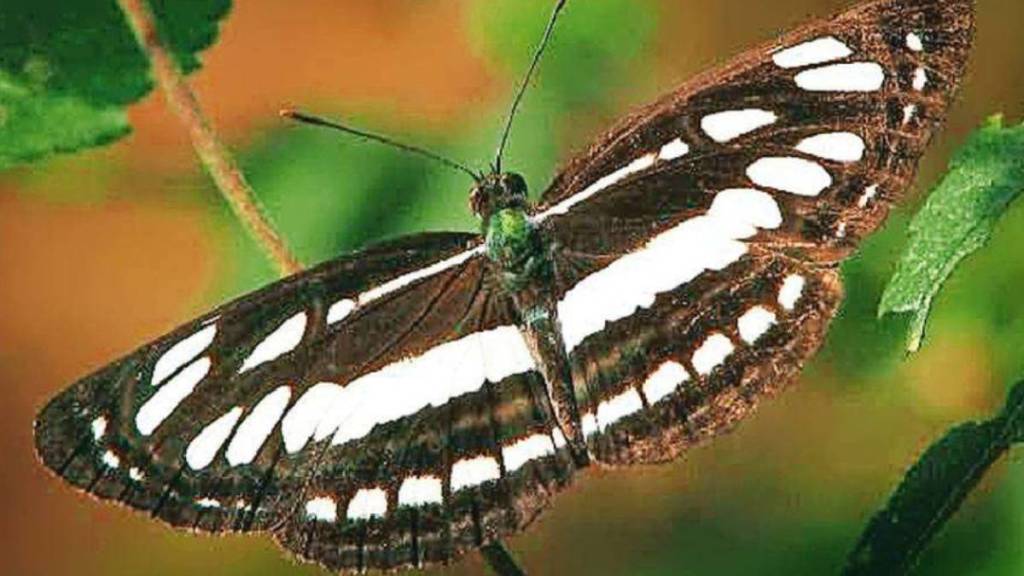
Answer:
(986, 174)
(67, 69)
(34, 125)
(933, 489)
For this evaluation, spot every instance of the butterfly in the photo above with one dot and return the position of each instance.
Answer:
(407, 403)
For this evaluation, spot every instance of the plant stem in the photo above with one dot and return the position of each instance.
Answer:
(500, 561)
(214, 156)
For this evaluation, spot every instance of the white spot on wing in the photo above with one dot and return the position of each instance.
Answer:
(526, 449)
(99, 427)
(909, 111)
(257, 426)
(664, 381)
(746, 209)
(712, 353)
(730, 124)
(618, 407)
(914, 42)
(558, 438)
(754, 323)
(817, 51)
(855, 77)
(136, 474)
(838, 146)
(920, 79)
(415, 275)
(869, 194)
(282, 340)
(182, 353)
(792, 289)
(670, 259)
(339, 310)
(367, 503)
(430, 379)
(322, 508)
(419, 491)
(111, 460)
(473, 472)
(588, 424)
(166, 399)
(640, 164)
(204, 447)
(674, 149)
(208, 503)
(309, 410)
(789, 174)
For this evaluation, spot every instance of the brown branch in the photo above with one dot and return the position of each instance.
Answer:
(214, 156)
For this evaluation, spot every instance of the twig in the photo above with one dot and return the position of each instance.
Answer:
(500, 561)
(214, 156)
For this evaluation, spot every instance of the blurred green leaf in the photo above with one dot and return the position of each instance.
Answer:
(594, 50)
(986, 174)
(861, 346)
(68, 68)
(933, 489)
(330, 193)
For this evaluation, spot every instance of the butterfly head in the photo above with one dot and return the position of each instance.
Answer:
(497, 191)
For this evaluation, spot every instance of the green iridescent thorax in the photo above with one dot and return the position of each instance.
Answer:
(513, 242)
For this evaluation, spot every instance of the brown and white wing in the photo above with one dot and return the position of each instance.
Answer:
(775, 165)
(374, 412)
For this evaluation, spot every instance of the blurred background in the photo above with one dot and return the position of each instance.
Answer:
(107, 249)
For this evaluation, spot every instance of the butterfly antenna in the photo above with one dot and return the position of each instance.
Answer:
(318, 121)
(526, 81)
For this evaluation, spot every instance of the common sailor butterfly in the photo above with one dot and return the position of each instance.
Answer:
(406, 403)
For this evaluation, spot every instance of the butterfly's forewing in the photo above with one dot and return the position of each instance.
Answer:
(359, 410)
(885, 73)
(774, 165)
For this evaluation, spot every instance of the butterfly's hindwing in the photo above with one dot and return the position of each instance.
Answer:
(431, 486)
(697, 361)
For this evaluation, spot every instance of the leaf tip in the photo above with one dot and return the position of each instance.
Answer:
(915, 332)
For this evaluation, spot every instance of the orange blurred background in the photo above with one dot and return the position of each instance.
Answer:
(110, 248)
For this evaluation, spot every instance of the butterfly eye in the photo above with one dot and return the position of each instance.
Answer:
(477, 198)
(514, 183)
